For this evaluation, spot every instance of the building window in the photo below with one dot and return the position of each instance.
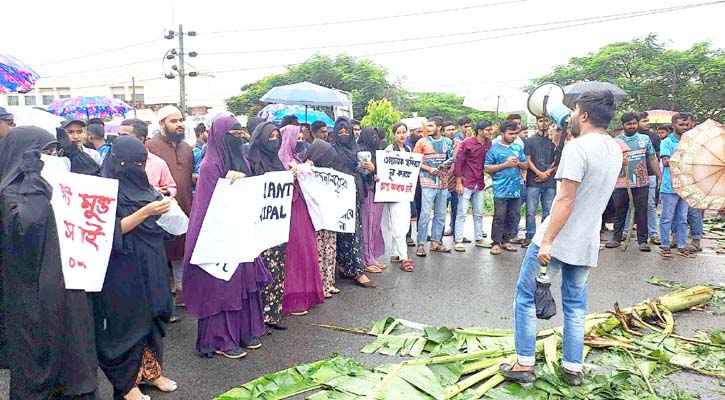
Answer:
(30, 101)
(121, 97)
(138, 97)
(13, 101)
(64, 96)
(47, 99)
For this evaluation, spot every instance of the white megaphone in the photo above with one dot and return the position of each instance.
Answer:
(547, 99)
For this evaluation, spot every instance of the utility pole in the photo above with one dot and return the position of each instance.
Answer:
(673, 89)
(182, 75)
(179, 69)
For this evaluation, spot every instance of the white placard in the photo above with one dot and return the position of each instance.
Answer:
(398, 176)
(330, 197)
(244, 219)
(85, 214)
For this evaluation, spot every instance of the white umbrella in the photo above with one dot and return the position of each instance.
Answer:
(31, 116)
(306, 93)
(503, 100)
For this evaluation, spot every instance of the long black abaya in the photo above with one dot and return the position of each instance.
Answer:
(48, 329)
(133, 309)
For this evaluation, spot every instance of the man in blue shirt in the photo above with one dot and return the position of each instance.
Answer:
(504, 162)
(674, 209)
(641, 158)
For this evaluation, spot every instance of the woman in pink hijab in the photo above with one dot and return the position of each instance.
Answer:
(303, 282)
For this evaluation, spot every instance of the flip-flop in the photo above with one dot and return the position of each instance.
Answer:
(440, 249)
(373, 269)
(496, 250)
(381, 266)
(509, 248)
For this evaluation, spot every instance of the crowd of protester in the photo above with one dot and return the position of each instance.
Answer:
(43, 326)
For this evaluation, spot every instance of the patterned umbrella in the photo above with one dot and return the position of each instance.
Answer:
(660, 116)
(89, 107)
(698, 166)
(15, 76)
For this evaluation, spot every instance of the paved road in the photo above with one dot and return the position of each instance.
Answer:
(473, 288)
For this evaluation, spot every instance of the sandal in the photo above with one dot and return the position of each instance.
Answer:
(327, 295)
(459, 247)
(381, 266)
(407, 266)
(334, 290)
(666, 252)
(167, 387)
(508, 247)
(395, 259)
(496, 249)
(466, 240)
(373, 269)
(685, 252)
(409, 242)
(421, 251)
(368, 284)
(440, 248)
(483, 243)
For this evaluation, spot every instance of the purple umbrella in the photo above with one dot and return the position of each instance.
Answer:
(89, 107)
(15, 76)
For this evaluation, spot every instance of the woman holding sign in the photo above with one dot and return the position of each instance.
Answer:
(302, 281)
(230, 313)
(263, 157)
(399, 213)
(48, 329)
(349, 245)
(133, 309)
(372, 212)
(322, 155)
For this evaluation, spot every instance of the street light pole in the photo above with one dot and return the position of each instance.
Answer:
(182, 75)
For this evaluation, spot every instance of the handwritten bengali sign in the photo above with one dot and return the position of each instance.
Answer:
(398, 176)
(85, 215)
(244, 219)
(330, 197)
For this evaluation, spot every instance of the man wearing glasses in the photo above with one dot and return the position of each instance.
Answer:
(76, 130)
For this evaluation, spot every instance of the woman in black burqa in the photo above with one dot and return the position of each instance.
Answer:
(349, 245)
(48, 329)
(133, 309)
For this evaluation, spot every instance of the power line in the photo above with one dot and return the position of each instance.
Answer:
(350, 21)
(564, 25)
(441, 36)
(64, 60)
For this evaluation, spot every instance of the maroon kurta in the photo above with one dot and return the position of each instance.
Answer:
(180, 159)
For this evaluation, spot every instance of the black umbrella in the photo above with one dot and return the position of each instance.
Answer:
(571, 92)
(544, 301)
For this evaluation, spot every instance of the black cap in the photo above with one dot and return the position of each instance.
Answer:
(5, 115)
(524, 127)
(72, 121)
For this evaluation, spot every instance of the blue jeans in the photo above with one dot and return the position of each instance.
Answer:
(475, 196)
(533, 195)
(435, 199)
(694, 219)
(652, 230)
(674, 216)
(574, 288)
(453, 201)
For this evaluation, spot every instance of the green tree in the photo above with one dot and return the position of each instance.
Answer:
(363, 79)
(653, 76)
(381, 114)
(446, 105)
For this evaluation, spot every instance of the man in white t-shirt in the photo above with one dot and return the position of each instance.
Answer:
(568, 240)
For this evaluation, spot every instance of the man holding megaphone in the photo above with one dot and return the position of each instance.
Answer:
(568, 240)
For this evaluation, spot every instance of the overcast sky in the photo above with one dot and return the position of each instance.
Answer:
(46, 34)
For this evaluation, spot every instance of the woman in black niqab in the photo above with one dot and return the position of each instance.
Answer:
(263, 157)
(264, 148)
(133, 309)
(349, 245)
(48, 329)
